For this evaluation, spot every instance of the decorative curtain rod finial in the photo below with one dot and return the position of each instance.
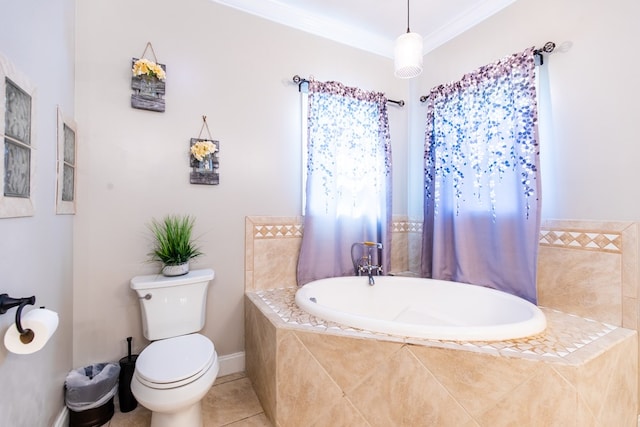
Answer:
(547, 48)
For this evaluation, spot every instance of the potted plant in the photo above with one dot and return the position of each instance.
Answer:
(173, 246)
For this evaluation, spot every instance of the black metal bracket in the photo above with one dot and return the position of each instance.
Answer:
(300, 81)
(547, 48)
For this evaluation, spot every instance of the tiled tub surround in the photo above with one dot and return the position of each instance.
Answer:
(586, 268)
(590, 269)
(272, 245)
(307, 371)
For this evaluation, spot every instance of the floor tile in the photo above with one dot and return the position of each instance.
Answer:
(229, 378)
(259, 420)
(139, 417)
(231, 402)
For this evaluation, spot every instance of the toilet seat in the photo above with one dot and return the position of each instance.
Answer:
(176, 361)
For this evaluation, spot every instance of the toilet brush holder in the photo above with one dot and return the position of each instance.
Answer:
(127, 367)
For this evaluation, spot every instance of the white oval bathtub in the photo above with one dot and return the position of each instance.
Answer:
(422, 308)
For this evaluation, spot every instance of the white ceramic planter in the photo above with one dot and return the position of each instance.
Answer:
(175, 270)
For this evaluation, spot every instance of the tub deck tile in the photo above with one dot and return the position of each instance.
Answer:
(568, 338)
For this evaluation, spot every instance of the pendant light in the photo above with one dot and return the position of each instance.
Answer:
(408, 53)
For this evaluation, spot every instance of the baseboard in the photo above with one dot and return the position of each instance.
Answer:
(231, 364)
(62, 420)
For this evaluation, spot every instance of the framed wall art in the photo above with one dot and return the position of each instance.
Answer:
(203, 158)
(204, 161)
(66, 165)
(148, 82)
(17, 118)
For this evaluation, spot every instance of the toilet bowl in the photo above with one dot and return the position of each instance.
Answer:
(178, 368)
(172, 376)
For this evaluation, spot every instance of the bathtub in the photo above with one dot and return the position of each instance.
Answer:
(421, 308)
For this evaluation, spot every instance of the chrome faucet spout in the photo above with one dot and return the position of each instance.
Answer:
(363, 264)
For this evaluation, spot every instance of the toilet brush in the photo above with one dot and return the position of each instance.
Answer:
(127, 366)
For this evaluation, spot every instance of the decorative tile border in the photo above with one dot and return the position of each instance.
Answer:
(262, 231)
(404, 226)
(270, 231)
(565, 333)
(606, 242)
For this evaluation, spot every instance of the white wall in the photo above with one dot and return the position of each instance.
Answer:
(232, 67)
(590, 148)
(236, 69)
(36, 252)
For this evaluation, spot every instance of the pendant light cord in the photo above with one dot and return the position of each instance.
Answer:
(408, 30)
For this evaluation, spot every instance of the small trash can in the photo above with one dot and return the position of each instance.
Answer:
(89, 394)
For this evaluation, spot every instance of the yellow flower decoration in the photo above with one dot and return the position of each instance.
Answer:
(201, 149)
(145, 67)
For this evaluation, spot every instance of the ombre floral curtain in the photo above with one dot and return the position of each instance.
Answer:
(348, 184)
(482, 183)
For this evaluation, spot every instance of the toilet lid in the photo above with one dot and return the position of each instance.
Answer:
(175, 359)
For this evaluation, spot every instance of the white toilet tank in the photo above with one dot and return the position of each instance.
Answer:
(172, 306)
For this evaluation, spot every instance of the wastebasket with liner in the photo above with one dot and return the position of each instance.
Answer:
(89, 394)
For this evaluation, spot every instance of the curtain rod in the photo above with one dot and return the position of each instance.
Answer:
(299, 81)
(547, 48)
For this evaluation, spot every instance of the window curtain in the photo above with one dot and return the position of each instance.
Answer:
(482, 183)
(348, 184)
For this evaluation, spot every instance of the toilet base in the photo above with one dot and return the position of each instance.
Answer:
(176, 407)
(188, 417)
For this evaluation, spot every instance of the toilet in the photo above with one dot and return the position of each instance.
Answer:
(178, 368)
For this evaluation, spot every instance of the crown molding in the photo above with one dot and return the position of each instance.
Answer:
(340, 32)
(463, 22)
(324, 27)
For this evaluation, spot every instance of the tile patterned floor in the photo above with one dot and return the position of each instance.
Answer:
(230, 402)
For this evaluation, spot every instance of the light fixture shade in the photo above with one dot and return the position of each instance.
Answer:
(408, 56)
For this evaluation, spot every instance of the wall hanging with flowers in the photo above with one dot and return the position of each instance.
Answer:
(148, 82)
(204, 158)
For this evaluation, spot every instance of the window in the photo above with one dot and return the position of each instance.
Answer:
(17, 167)
(347, 176)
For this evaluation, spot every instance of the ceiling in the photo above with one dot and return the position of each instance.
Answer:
(373, 25)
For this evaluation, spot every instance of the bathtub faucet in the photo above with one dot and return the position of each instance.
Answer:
(363, 264)
(370, 269)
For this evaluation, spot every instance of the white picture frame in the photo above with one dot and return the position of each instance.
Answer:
(18, 138)
(66, 165)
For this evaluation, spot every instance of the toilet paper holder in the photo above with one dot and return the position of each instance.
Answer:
(6, 302)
